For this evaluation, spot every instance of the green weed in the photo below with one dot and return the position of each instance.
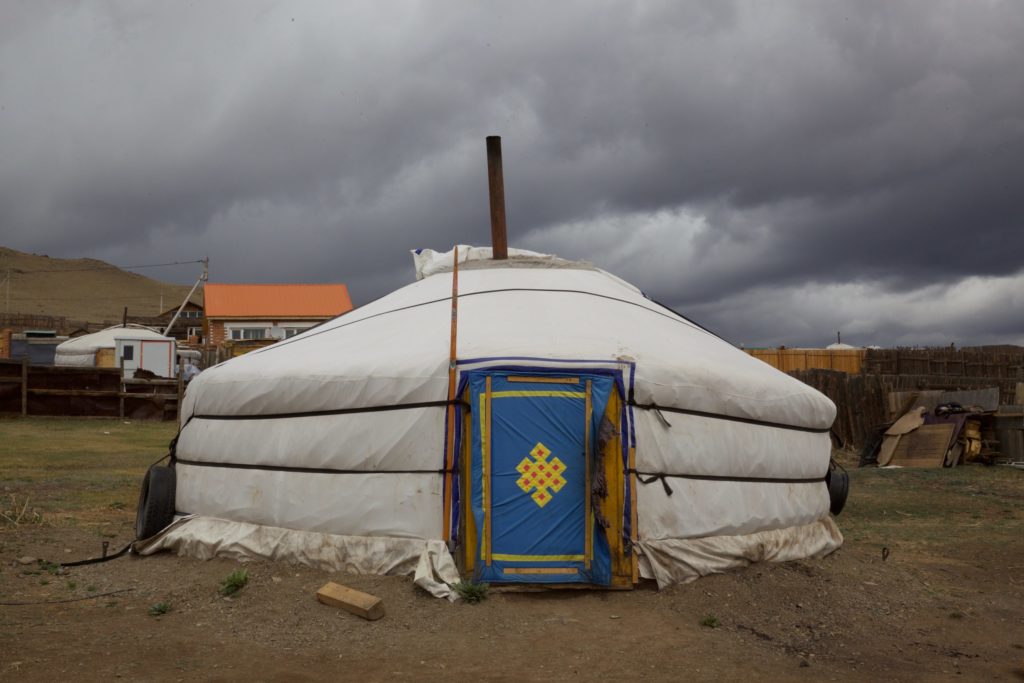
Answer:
(235, 581)
(710, 621)
(471, 592)
(159, 609)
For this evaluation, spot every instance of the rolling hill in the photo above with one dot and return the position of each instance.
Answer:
(81, 289)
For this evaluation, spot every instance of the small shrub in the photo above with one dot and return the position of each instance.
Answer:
(15, 512)
(159, 608)
(710, 621)
(234, 582)
(471, 592)
(50, 567)
(72, 585)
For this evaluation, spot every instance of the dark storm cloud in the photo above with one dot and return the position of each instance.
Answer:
(743, 161)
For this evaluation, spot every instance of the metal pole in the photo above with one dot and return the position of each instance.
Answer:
(496, 184)
(24, 383)
(181, 386)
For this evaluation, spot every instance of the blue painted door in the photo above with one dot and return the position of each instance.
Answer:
(531, 472)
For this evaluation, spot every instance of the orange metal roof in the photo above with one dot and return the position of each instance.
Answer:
(263, 301)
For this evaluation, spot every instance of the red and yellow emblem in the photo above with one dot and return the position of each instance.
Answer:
(546, 477)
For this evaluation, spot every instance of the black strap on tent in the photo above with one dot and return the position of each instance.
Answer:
(301, 470)
(650, 477)
(720, 416)
(339, 411)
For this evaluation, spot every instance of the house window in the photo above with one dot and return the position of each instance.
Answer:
(238, 333)
(128, 353)
(290, 332)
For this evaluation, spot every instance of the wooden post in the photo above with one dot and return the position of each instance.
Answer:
(496, 184)
(449, 456)
(24, 384)
(181, 387)
(120, 393)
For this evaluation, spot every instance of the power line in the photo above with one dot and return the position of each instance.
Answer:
(132, 297)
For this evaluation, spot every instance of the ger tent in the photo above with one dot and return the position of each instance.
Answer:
(81, 351)
(597, 437)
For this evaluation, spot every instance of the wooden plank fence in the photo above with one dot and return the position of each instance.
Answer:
(946, 362)
(791, 360)
(90, 392)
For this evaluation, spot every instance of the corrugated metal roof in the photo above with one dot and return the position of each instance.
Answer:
(261, 301)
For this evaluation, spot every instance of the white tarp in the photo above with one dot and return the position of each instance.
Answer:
(204, 538)
(394, 352)
(672, 561)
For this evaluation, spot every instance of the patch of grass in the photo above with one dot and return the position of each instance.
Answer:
(933, 508)
(234, 582)
(70, 465)
(956, 615)
(710, 621)
(472, 592)
(50, 567)
(159, 609)
(72, 585)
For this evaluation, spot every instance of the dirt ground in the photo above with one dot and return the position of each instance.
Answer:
(946, 602)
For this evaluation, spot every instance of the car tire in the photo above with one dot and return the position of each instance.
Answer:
(838, 483)
(156, 501)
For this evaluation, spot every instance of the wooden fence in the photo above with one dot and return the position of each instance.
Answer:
(864, 402)
(26, 321)
(791, 360)
(946, 362)
(861, 405)
(88, 392)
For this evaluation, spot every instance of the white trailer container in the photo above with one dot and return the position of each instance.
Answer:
(146, 353)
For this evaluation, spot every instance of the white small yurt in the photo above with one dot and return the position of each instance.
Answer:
(585, 435)
(98, 349)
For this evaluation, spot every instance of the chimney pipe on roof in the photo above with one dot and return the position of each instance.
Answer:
(496, 184)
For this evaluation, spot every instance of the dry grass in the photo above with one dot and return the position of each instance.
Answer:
(83, 289)
(78, 470)
(931, 509)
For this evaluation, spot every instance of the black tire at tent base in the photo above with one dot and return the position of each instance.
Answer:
(838, 482)
(156, 501)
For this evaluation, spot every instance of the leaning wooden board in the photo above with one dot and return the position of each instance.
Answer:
(349, 599)
(926, 446)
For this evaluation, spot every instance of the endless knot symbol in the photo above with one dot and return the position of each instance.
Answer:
(541, 474)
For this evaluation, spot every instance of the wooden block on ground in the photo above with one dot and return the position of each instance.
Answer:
(349, 599)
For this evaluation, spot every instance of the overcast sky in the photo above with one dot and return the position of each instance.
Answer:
(779, 171)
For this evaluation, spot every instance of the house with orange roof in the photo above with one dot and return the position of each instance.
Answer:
(236, 312)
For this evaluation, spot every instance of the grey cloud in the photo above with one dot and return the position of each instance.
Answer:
(710, 151)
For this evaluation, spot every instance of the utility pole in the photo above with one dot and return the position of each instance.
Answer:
(201, 280)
